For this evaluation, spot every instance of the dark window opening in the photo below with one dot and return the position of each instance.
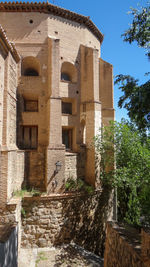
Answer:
(29, 137)
(66, 108)
(65, 77)
(31, 21)
(67, 138)
(31, 105)
(31, 72)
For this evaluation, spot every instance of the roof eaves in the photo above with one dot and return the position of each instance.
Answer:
(50, 8)
(10, 46)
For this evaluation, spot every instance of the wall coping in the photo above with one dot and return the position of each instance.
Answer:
(69, 195)
(8, 45)
(129, 234)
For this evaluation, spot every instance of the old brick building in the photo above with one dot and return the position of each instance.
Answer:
(55, 93)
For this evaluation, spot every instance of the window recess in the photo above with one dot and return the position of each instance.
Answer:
(66, 108)
(29, 137)
(67, 138)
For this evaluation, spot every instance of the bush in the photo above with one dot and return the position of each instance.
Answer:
(123, 146)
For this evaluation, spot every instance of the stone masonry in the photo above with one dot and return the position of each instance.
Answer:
(54, 220)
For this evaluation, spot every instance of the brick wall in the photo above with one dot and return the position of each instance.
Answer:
(145, 247)
(11, 101)
(123, 247)
(35, 169)
(75, 164)
(1, 94)
(51, 41)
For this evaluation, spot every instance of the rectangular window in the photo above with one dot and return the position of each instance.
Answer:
(31, 105)
(67, 138)
(29, 137)
(66, 108)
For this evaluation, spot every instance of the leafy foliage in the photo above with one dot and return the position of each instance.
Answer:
(136, 99)
(78, 185)
(131, 176)
(139, 30)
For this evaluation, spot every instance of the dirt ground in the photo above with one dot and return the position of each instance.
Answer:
(65, 256)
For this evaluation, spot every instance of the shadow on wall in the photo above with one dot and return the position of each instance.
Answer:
(85, 219)
(9, 247)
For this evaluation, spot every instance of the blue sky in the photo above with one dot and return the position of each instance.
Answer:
(112, 20)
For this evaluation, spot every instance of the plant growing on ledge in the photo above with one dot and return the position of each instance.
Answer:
(78, 185)
(30, 192)
(131, 175)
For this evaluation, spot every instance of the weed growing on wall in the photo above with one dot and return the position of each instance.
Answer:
(21, 193)
(78, 185)
(41, 257)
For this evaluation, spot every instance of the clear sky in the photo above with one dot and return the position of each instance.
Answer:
(111, 17)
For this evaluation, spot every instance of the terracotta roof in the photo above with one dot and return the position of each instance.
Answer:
(8, 45)
(51, 9)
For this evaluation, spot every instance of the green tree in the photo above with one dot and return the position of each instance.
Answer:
(131, 175)
(136, 97)
(139, 30)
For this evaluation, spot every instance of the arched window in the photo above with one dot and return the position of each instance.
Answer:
(31, 72)
(68, 72)
(30, 66)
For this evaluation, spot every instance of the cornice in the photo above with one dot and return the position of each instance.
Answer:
(7, 45)
(44, 7)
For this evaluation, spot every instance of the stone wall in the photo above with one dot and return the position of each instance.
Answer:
(8, 215)
(71, 165)
(123, 247)
(54, 220)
